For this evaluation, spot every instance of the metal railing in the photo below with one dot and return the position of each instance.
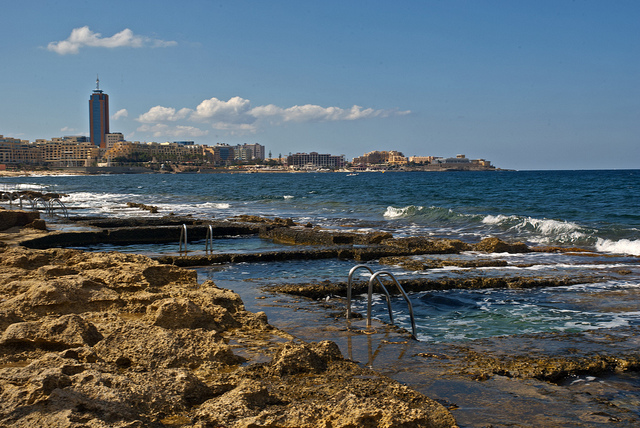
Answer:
(183, 238)
(51, 207)
(375, 277)
(208, 246)
(47, 205)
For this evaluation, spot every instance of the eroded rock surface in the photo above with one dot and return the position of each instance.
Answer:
(114, 340)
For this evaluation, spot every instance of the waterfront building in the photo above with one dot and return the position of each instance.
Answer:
(15, 151)
(315, 160)
(99, 117)
(127, 151)
(460, 163)
(68, 152)
(112, 138)
(421, 159)
(381, 157)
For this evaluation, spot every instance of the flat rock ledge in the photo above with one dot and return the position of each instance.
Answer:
(114, 340)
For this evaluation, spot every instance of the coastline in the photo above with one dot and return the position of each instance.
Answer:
(113, 340)
(225, 170)
(160, 302)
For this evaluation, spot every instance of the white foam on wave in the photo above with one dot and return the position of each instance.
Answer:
(288, 196)
(214, 205)
(547, 230)
(497, 219)
(623, 246)
(88, 197)
(393, 212)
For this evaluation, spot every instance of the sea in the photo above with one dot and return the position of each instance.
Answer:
(588, 222)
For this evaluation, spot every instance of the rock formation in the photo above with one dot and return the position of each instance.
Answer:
(114, 340)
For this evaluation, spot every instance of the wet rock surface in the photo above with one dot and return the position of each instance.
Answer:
(114, 340)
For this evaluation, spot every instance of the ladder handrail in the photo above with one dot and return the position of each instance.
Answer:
(349, 287)
(183, 237)
(9, 196)
(404, 294)
(28, 198)
(209, 239)
(44, 202)
(50, 210)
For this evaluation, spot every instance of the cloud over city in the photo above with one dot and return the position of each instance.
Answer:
(120, 113)
(84, 37)
(238, 116)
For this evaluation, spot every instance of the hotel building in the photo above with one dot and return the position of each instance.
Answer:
(99, 117)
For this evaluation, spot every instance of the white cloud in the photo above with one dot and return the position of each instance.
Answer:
(238, 116)
(67, 129)
(83, 36)
(180, 131)
(162, 114)
(120, 113)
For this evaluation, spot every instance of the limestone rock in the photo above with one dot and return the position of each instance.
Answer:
(495, 245)
(304, 358)
(12, 218)
(137, 344)
(68, 331)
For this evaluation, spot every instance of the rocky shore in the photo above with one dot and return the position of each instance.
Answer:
(115, 340)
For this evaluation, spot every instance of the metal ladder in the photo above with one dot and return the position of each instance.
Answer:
(375, 277)
(48, 205)
(208, 240)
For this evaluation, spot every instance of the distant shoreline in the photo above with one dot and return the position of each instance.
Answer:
(142, 170)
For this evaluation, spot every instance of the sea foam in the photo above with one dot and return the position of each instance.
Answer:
(623, 246)
(540, 230)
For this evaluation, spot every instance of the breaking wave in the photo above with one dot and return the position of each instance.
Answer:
(623, 246)
(545, 231)
(424, 213)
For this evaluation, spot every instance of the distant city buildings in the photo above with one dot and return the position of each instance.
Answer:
(105, 148)
(391, 157)
(315, 160)
(382, 159)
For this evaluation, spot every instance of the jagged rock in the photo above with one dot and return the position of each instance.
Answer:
(424, 245)
(495, 245)
(320, 389)
(143, 344)
(12, 218)
(305, 236)
(304, 358)
(417, 265)
(56, 391)
(276, 221)
(37, 224)
(68, 331)
(137, 344)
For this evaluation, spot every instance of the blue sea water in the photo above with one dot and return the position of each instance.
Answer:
(595, 210)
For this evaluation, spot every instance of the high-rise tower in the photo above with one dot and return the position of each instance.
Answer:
(99, 116)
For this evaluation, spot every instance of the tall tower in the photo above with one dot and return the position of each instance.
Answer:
(99, 116)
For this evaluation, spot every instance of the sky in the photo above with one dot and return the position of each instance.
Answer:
(526, 84)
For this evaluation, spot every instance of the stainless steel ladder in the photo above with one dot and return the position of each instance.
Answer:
(208, 240)
(375, 277)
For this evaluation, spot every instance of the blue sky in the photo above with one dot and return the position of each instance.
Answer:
(525, 84)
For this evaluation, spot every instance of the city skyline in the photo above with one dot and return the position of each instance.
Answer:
(529, 85)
